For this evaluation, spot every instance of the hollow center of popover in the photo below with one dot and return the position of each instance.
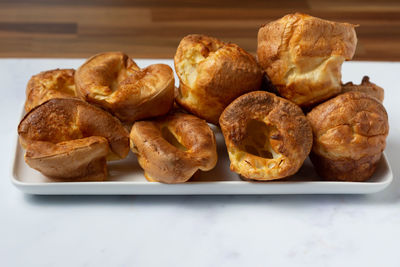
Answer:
(120, 75)
(170, 138)
(257, 140)
(117, 74)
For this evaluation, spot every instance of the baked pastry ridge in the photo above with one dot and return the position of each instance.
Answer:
(172, 148)
(212, 74)
(302, 56)
(365, 86)
(267, 137)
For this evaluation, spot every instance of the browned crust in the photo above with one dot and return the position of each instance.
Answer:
(347, 170)
(162, 161)
(58, 83)
(208, 111)
(53, 129)
(292, 47)
(227, 72)
(75, 160)
(350, 133)
(365, 86)
(59, 120)
(114, 82)
(292, 138)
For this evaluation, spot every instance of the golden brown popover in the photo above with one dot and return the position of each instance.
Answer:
(172, 148)
(303, 55)
(267, 137)
(349, 136)
(68, 139)
(365, 86)
(114, 82)
(212, 74)
(58, 83)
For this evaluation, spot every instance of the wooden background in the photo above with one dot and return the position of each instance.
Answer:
(153, 29)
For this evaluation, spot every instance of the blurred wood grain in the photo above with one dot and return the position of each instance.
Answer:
(153, 29)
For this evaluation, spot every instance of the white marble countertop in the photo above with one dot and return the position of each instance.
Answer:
(297, 230)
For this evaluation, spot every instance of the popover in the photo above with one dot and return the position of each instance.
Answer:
(114, 82)
(303, 55)
(58, 83)
(267, 137)
(212, 74)
(172, 148)
(350, 133)
(365, 86)
(69, 139)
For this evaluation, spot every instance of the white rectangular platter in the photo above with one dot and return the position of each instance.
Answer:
(126, 178)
